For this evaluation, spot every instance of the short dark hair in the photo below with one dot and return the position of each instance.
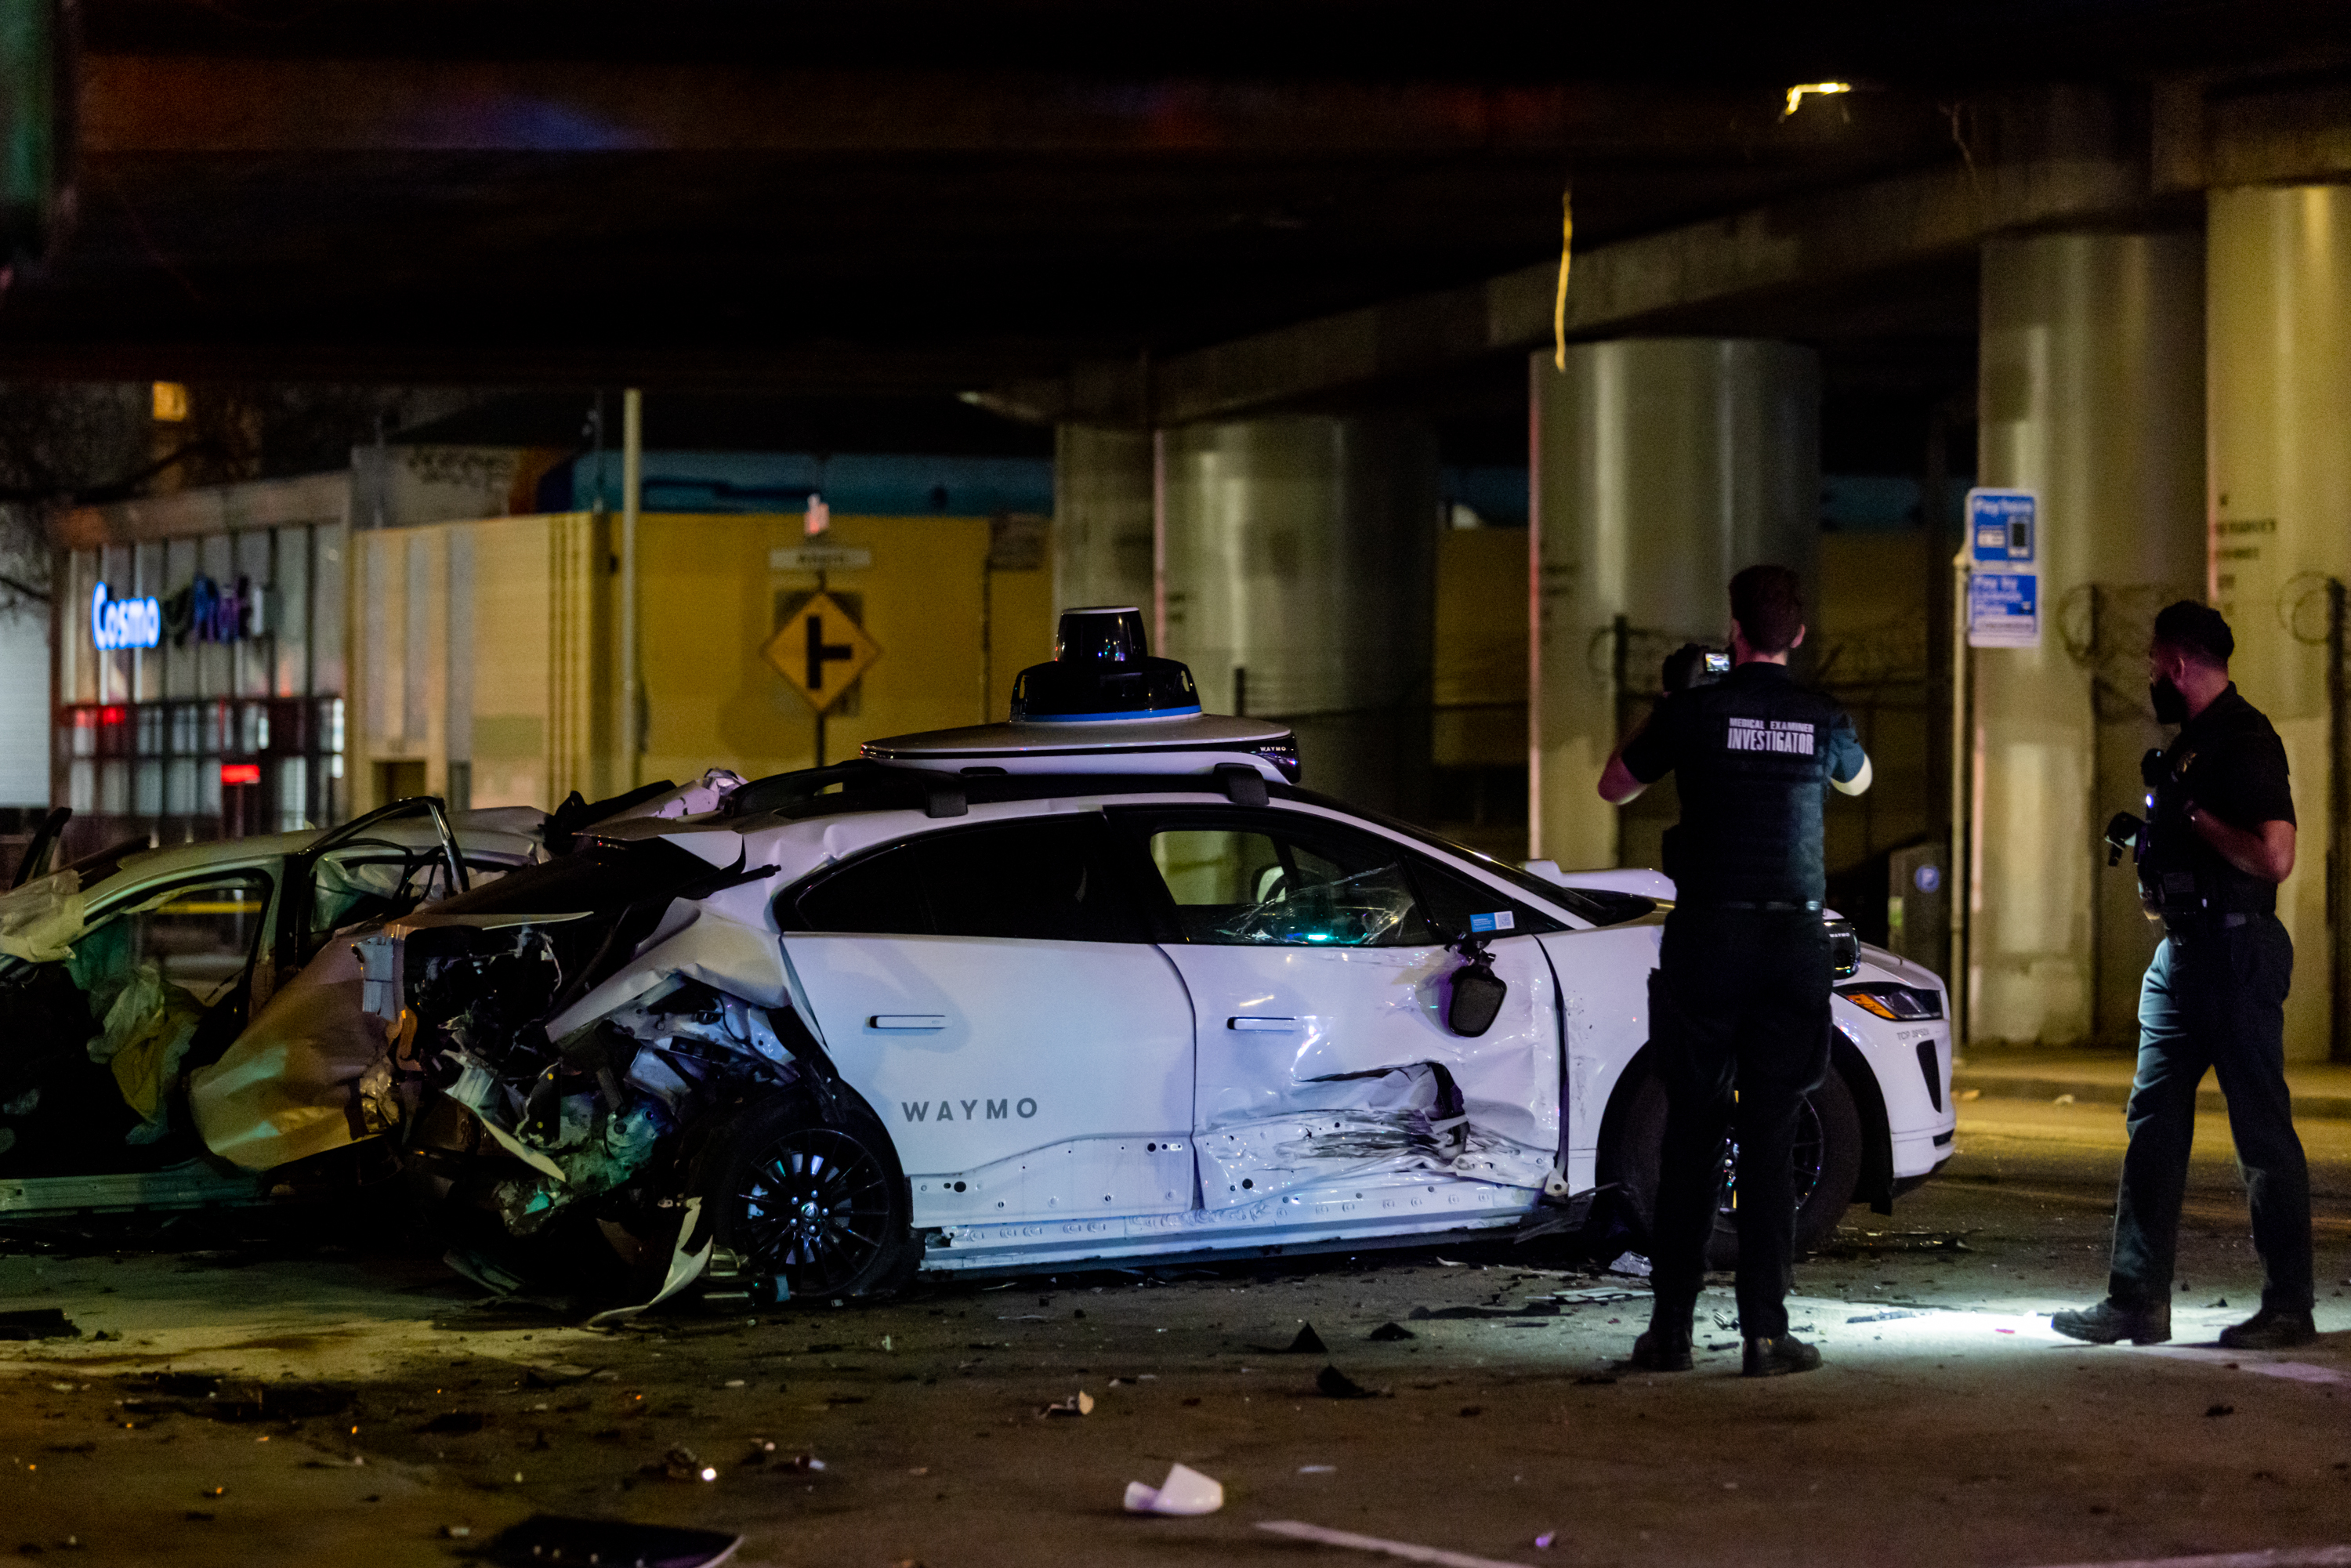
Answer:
(2197, 630)
(1768, 602)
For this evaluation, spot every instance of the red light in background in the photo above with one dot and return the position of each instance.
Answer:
(114, 714)
(240, 773)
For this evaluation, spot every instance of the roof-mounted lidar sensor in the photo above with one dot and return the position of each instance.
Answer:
(1103, 669)
(1103, 705)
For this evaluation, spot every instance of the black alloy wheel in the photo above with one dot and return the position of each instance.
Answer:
(1806, 1159)
(1826, 1158)
(819, 1209)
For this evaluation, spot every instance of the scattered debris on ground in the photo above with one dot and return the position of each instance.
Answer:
(1185, 1492)
(37, 1323)
(1333, 1383)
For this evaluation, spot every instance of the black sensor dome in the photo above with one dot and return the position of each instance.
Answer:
(1103, 669)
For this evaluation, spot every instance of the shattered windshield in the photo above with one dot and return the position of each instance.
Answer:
(1353, 911)
(1329, 891)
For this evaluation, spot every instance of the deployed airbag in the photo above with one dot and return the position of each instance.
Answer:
(146, 1031)
(40, 922)
(291, 1086)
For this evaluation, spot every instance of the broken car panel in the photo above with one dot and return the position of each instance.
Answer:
(161, 1017)
(1100, 982)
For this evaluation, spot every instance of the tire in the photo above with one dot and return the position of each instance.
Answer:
(810, 1208)
(1827, 1160)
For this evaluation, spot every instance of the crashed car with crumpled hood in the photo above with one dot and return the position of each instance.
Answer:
(183, 1030)
(1101, 983)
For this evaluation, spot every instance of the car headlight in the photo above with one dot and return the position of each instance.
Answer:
(1896, 1004)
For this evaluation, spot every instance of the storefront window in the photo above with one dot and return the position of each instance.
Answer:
(201, 690)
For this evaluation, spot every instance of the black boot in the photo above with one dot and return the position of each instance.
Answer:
(1778, 1358)
(1662, 1350)
(2111, 1322)
(2272, 1328)
(1667, 1346)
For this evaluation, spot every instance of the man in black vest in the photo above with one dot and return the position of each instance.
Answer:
(2219, 842)
(1739, 1008)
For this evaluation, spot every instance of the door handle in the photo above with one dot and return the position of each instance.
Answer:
(907, 1021)
(1262, 1023)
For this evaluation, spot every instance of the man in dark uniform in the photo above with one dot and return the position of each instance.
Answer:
(2220, 840)
(1740, 1000)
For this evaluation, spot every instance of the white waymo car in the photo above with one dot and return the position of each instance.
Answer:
(1099, 984)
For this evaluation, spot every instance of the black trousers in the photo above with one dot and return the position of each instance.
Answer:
(2213, 998)
(1738, 1025)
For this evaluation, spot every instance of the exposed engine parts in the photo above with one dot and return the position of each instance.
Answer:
(549, 1125)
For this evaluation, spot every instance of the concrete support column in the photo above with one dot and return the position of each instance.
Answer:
(1300, 582)
(1101, 517)
(2278, 322)
(1661, 467)
(2090, 391)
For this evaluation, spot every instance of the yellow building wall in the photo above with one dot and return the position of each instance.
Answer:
(537, 631)
(512, 611)
(952, 634)
(1480, 665)
(1021, 622)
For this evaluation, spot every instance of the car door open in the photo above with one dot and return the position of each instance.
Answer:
(158, 979)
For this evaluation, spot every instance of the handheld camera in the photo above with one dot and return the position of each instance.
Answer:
(1694, 664)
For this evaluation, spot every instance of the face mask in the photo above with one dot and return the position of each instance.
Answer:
(2170, 702)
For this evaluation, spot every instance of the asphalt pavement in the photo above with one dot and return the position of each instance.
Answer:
(312, 1401)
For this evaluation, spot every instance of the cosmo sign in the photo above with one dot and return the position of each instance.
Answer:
(207, 611)
(123, 622)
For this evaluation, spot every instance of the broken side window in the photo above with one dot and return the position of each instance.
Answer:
(197, 936)
(1264, 884)
(375, 880)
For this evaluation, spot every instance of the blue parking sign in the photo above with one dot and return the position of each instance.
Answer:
(2003, 610)
(2004, 579)
(2003, 529)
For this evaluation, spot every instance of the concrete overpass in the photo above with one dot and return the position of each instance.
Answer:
(1248, 258)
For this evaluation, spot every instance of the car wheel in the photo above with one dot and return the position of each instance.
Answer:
(810, 1207)
(1828, 1159)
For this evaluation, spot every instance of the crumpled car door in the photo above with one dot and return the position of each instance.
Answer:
(1319, 986)
(295, 1082)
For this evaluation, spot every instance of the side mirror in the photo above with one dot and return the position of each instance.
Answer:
(1477, 993)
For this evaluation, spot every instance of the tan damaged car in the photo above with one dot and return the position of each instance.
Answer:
(180, 1030)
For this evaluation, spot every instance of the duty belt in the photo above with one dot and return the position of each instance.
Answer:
(1768, 906)
(2185, 922)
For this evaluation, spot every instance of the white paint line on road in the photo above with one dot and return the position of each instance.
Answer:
(2294, 1371)
(1950, 1324)
(1403, 1548)
(2277, 1557)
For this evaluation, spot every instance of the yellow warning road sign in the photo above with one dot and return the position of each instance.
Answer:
(820, 650)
